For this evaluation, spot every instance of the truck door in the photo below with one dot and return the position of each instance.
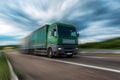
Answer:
(52, 35)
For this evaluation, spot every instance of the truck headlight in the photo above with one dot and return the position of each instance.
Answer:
(76, 48)
(59, 48)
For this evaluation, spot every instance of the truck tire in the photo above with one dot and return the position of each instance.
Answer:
(50, 53)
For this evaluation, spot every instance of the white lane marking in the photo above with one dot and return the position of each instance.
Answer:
(78, 64)
(84, 65)
(100, 51)
(13, 75)
(92, 57)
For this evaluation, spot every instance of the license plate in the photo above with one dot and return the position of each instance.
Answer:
(69, 53)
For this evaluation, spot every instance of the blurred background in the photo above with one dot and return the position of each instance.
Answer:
(97, 21)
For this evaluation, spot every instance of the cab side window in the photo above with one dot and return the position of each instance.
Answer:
(53, 32)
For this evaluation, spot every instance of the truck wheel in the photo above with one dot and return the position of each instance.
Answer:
(50, 53)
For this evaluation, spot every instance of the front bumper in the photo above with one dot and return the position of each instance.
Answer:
(67, 50)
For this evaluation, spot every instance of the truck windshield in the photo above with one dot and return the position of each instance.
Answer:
(66, 31)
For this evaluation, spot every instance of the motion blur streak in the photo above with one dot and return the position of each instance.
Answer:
(99, 18)
(85, 65)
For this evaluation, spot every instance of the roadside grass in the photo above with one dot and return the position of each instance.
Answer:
(4, 68)
(19, 75)
(108, 44)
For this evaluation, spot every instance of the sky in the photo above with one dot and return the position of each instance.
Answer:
(95, 20)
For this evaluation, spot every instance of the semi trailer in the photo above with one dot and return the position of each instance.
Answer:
(52, 40)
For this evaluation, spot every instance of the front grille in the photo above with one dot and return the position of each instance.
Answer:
(68, 51)
(68, 48)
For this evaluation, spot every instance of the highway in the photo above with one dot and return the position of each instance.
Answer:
(80, 67)
(115, 51)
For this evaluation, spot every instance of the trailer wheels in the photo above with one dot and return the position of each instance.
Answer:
(50, 53)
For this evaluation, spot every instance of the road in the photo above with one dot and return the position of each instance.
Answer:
(80, 67)
(115, 51)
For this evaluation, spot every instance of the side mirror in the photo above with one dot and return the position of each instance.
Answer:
(78, 35)
(55, 34)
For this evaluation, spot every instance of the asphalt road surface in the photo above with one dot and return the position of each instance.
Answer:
(80, 67)
(115, 51)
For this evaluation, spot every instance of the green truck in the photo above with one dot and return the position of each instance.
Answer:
(52, 40)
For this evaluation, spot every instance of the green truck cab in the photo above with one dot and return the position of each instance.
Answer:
(52, 40)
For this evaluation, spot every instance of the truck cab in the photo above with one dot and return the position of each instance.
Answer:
(62, 39)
